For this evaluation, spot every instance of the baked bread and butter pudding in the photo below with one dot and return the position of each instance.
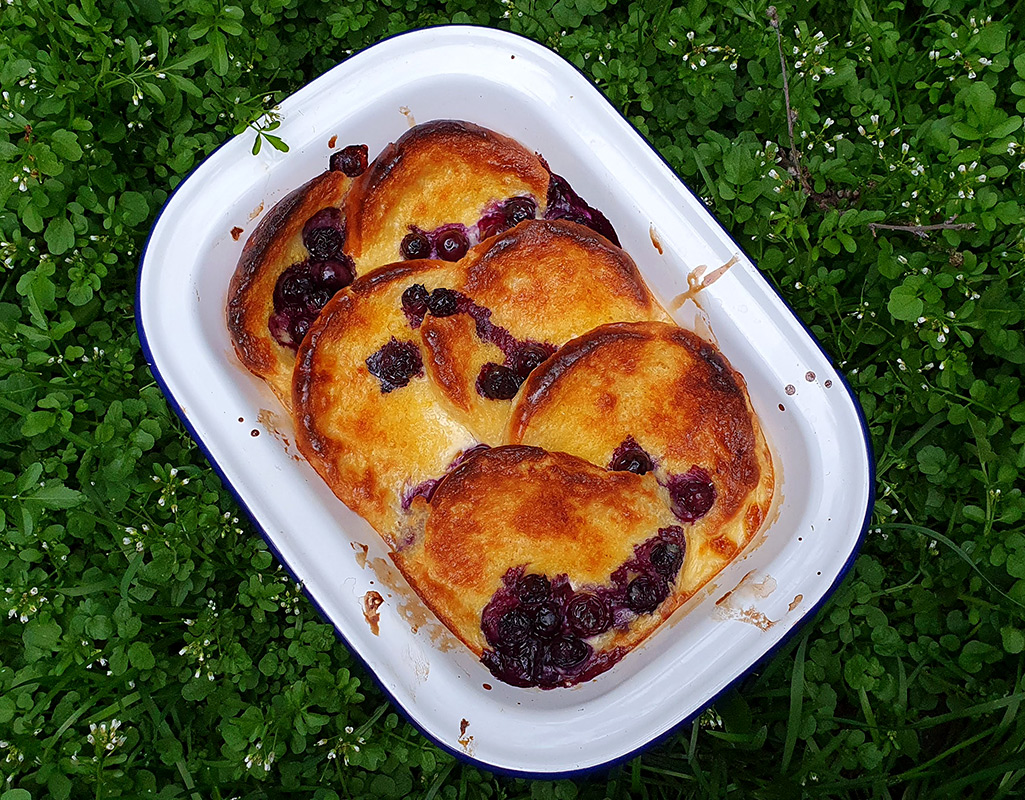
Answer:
(523, 294)
(482, 374)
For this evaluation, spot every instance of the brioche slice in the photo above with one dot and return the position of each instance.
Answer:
(652, 398)
(366, 416)
(442, 187)
(290, 267)
(546, 566)
(523, 295)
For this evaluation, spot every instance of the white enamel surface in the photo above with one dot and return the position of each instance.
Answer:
(522, 90)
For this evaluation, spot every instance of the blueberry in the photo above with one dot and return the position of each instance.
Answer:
(528, 358)
(497, 382)
(667, 558)
(588, 615)
(334, 273)
(491, 225)
(443, 303)
(316, 300)
(395, 364)
(547, 621)
(324, 233)
(568, 652)
(351, 160)
(519, 669)
(415, 245)
(513, 629)
(631, 457)
(645, 593)
(518, 209)
(452, 245)
(533, 589)
(292, 287)
(298, 327)
(414, 300)
(692, 495)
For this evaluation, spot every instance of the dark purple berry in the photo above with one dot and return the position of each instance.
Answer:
(513, 629)
(351, 160)
(334, 273)
(491, 225)
(631, 457)
(692, 494)
(292, 287)
(452, 245)
(588, 615)
(443, 303)
(547, 620)
(299, 327)
(395, 364)
(645, 593)
(568, 652)
(415, 245)
(317, 299)
(528, 358)
(518, 209)
(533, 589)
(519, 669)
(414, 300)
(667, 558)
(324, 233)
(497, 382)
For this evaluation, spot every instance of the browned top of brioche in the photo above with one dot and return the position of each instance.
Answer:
(436, 173)
(521, 506)
(544, 281)
(371, 446)
(274, 245)
(669, 390)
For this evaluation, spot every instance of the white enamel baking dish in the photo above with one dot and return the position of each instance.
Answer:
(810, 417)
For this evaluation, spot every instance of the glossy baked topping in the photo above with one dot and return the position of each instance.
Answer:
(477, 369)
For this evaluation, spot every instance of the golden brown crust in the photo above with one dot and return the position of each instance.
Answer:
(371, 446)
(437, 173)
(672, 393)
(544, 282)
(521, 506)
(274, 245)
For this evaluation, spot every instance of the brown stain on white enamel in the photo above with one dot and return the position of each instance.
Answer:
(737, 604)
(411, 608)
(332, 141)
(655, 240)
(236, 232)
(796, 602)
(404, 111)
(272, 422)
(372, 601)
(256, 211)
(464, 740)
(697, 280)
(361, 553)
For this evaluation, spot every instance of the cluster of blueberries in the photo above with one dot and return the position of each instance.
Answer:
(536, 627)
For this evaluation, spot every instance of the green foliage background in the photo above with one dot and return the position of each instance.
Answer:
(133, 591)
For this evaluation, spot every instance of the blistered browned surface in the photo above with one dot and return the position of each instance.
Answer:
(369, 446)
(678, 397)
(274, 246)
(674, 393)
(544, 281)
(436, 173)
(520, 506)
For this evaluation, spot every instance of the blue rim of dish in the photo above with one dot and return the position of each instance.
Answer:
(460, 755)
